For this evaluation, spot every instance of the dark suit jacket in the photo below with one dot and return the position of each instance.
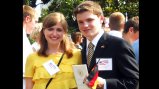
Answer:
(125, 71)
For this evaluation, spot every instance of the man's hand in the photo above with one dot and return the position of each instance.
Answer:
(100, 84)
(86, 81)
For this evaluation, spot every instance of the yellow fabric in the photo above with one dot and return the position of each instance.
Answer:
(95, 84)
(64, 79)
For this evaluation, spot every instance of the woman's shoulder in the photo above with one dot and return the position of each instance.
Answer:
(33, 55)
(78, 46)
(76, 50)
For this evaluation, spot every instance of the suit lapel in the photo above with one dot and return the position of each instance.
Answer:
(84, 58)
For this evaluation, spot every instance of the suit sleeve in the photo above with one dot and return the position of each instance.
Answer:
(127, 66)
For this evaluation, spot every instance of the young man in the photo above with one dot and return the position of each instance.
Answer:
(29, 21)
(131, 34)
(117, 65)
(116, 24)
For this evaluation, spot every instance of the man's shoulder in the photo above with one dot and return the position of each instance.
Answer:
(111, 38)
(114, 41)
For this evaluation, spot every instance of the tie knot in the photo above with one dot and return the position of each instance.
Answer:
(90, 46)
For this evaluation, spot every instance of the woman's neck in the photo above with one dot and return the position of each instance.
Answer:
(54, 49)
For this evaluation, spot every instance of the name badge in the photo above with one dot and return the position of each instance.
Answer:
(51, 67)
(104, 63)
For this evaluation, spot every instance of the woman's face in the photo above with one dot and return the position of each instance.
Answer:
(54, 35)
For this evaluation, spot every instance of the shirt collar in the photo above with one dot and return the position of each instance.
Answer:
(115, 33)
(96, 39)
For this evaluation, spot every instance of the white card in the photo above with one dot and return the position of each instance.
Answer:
(104, 64)
(80, 72)
(51, 67)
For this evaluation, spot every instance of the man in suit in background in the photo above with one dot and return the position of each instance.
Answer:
(117, 65)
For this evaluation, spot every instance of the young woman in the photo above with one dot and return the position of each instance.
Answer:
(54, 42)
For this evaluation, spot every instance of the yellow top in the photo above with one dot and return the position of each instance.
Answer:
(64, 79)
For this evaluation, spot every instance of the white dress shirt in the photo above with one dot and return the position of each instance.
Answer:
(27, 48)
(115, 33)
(95, 41)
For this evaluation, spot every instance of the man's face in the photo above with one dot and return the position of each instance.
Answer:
(31, 24)
(89, 24)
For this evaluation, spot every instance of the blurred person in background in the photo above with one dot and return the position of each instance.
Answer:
(77, 38)
(116, 24)
(29, 21)
(107, 29)
(131, 34)
(35, 35)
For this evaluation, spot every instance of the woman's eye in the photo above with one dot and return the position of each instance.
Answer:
(59, 29)
(50, 29)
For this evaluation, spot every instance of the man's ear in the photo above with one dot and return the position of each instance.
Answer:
(27, 18)
(102, 18)
(131, 29)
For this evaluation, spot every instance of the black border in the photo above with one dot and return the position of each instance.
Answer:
(11, 44)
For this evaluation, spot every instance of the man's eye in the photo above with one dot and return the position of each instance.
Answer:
(89, 20)
(80, 22)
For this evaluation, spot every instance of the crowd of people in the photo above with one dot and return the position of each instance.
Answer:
(47, 63)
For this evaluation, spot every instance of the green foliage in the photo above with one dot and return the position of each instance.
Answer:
(31, 40)
(129, 6)
(109, 6)
(26, 2)
(66, 7)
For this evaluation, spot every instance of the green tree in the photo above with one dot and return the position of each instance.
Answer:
(26, 2)
(131, 7)
(66, 7)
